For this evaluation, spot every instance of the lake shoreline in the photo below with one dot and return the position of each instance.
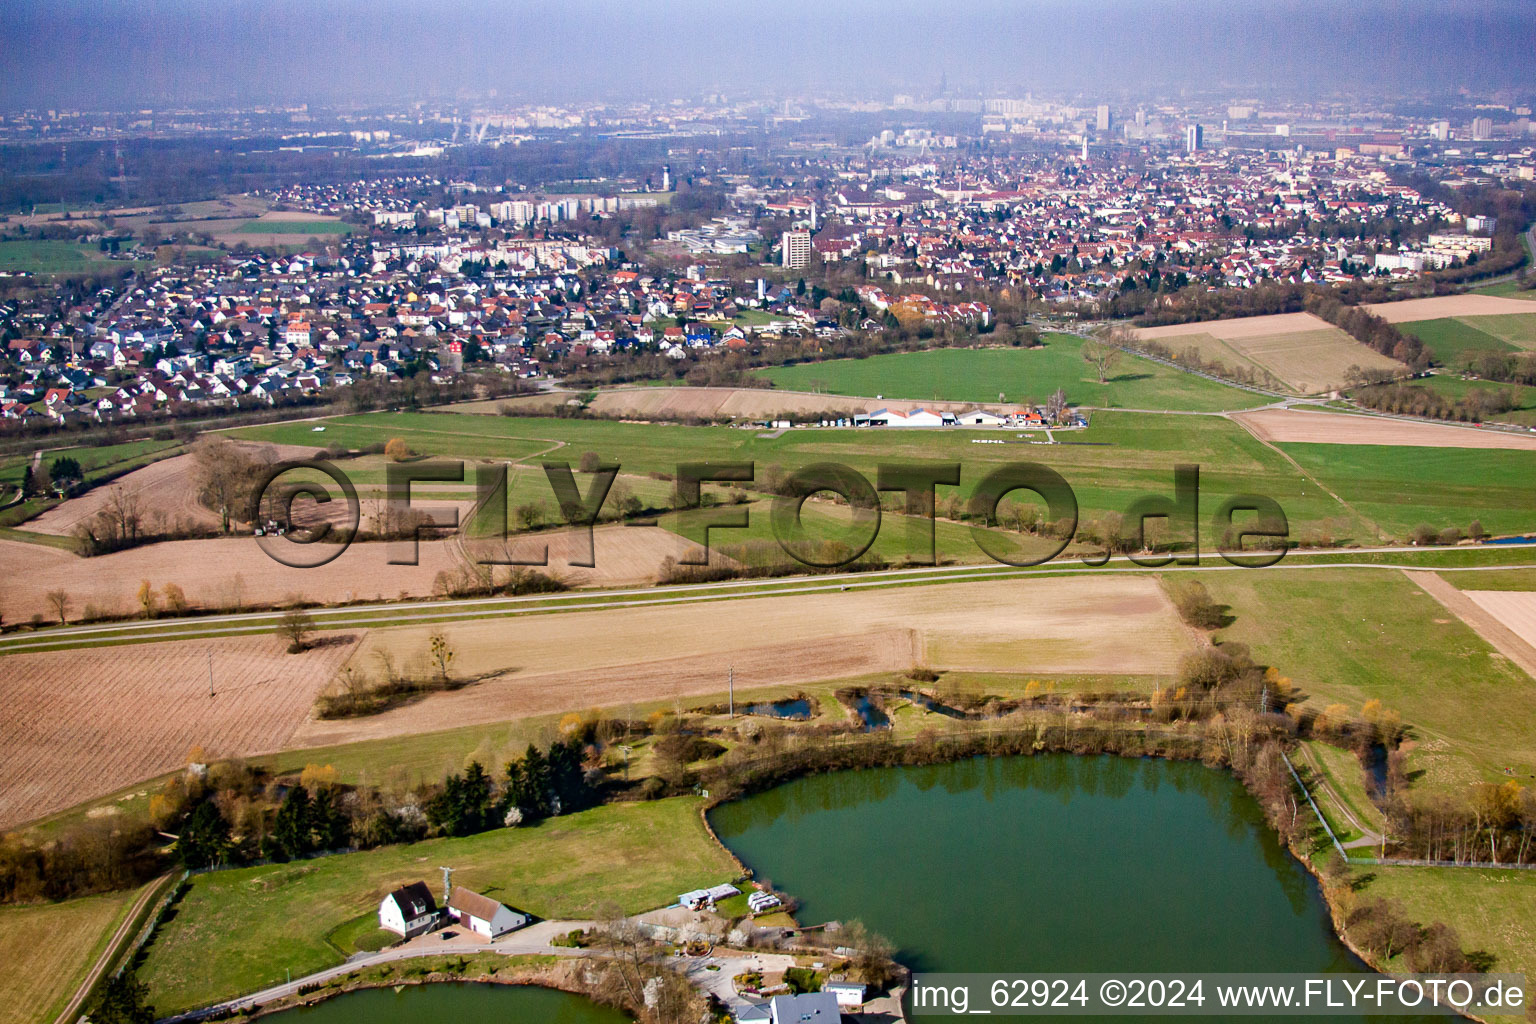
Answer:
(556, 976)
(1292, 846)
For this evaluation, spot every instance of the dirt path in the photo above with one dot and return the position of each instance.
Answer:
(1368, 836)
(1504, 640)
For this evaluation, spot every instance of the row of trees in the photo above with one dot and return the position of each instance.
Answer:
(1416, 400)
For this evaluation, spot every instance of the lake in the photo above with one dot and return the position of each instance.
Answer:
(1049, 863)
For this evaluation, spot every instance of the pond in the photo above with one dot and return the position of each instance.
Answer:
(1049, 863)
(795, 709)
(430, 1004)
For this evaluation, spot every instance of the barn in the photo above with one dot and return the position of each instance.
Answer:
(482, 915)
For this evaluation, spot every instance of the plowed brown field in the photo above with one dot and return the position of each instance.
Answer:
(1283, 425)
(1447, 305)
(549, 663)
(82, 724)
(232, 572)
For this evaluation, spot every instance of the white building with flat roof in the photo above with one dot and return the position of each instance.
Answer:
(795, 251)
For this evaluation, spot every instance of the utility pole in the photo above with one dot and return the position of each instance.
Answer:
(733, 691)
(210, 675)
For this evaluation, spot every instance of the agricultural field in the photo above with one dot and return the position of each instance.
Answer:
(1295, 351)
(237, 931)
(1350, 636)
(1466, 305)
(1455, 342)
(1292, 426)
(1514, 610)
(98, 464)
(544, 664)
(81, 724)
(49, 949)
(1021, 375)
(294, 225)
(1398, 488)
(165, 488)
(54, 257)
(750, 403)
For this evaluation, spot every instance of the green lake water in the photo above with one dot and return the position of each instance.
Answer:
(432, 1004)
(1038, 864)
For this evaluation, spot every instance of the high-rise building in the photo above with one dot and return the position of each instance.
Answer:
(1194, 138)
(795, 249)
(1482, 129)
(1104, 118)
(1440, 131)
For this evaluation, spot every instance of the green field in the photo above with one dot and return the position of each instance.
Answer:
(238, 931)
(49, 949)
(1021, 375)
(294, 227)
(52, 257)
(1351, 635)
(1454, 342)
(1120, 457)
(1399, 488)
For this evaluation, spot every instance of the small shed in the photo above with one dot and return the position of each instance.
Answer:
(847, 993)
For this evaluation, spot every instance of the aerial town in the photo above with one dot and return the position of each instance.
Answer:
(798, 514)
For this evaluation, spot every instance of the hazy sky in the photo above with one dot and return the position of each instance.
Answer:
(120, 52)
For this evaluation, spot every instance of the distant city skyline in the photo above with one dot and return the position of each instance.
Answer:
(115, 52)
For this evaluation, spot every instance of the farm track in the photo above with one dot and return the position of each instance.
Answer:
(387, 614)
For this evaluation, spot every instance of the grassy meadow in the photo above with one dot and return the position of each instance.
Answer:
(1492, 911)
(1021, 375)
(1349, 636)
(1118, 458)
(1398, 488)
(294, 227)
(49, 256)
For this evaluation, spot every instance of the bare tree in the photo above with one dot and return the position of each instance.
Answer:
(295, 626)
(58, 600)
(1056, 405)
(1102, 356)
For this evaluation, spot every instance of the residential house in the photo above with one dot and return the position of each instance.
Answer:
(408, 911)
